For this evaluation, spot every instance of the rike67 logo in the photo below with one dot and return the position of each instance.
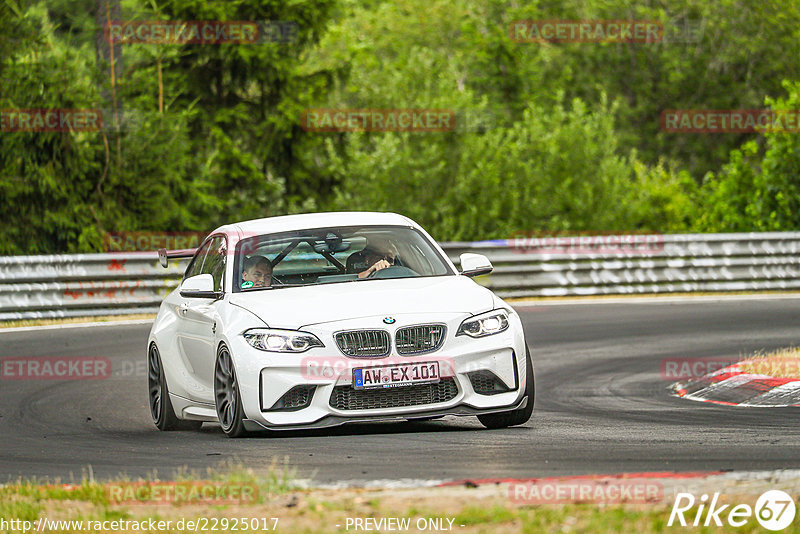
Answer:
(774, 510)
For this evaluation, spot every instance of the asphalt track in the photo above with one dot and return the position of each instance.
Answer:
(601, 407)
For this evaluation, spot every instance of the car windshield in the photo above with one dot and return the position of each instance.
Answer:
(337, 254)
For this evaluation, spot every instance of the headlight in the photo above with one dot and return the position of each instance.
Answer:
(273, 340)
(487, 324)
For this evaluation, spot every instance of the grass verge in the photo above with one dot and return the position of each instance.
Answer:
(283, 505)
(782, 363)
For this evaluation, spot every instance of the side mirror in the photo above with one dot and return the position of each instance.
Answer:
(162, 257)
(475, 264)
(200, 286)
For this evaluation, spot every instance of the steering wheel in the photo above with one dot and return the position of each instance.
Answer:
(393, 271)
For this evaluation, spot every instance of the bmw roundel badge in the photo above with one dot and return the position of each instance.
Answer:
(389, 320)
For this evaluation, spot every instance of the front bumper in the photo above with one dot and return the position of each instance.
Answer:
(264, 378)
(335, 420)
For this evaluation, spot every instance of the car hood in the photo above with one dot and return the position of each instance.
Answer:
(296, 307)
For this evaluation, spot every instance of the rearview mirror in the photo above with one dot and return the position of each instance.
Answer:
(200, 286)
(475, 264)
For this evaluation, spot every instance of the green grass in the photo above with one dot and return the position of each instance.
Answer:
(321, 511)
(781, 363)
(476, 515)
(85, 491)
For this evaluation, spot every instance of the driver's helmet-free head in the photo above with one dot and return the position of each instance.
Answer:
(374, 250)
(256, 271)
(378, 249)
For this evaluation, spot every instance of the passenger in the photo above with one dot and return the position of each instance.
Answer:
(256, 272)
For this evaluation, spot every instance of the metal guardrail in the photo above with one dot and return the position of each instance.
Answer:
(103, 284)
(83, 285)
(672, 263)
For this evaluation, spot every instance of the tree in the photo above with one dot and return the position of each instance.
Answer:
(759, 188)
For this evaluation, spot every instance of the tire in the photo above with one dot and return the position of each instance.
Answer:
(514, 417)
(227, 397)
(161, 409)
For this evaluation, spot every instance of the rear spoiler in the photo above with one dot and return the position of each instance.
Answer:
(165, 255)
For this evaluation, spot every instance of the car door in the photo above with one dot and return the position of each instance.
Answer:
(198, 322)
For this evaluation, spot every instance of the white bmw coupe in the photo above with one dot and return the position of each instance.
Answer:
(310, 321)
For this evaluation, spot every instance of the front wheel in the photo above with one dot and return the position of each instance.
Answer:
(161, 409)
(514, 417)
(227, 397)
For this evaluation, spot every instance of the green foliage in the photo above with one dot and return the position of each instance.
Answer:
(550, 164)
(42, 174)
(555, 169)
(759, 188)
(192, 137)
(549, 136)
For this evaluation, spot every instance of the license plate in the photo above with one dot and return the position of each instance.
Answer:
(394, 376)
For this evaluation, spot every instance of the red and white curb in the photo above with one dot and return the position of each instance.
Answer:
(733, 387)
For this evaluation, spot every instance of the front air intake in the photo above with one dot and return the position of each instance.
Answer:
(420, 339)
(363, 343)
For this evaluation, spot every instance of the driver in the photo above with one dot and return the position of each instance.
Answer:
(378, 256)
(256, 272)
